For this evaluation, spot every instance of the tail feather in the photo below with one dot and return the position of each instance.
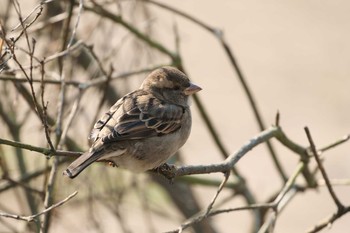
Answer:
(81, 163)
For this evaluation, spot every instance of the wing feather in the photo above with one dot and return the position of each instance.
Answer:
(137, 115)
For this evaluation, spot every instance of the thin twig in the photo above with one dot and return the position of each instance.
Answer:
(28, 177)
(82, 85)
(302, 152)
(16, 130)
(323, 171)
(335, 182)
(98, 9)
(341, 209)
(196, 180)
(39, 6)
(70, 118)
(199, 218)
(334, 144)
(277, 205)
(104, 96)
(49, 195)
(59, 120)
(282, 200)
(32, 217)
(291, 181)
(52, 20)
(17, 7)
(24, 185)
(44, 108)
(76, 24)
(44, 151)
(90, 50)
(41, 114)
(50, 58)
(221, 186)
(329, 221)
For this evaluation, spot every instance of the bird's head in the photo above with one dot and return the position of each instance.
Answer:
(170, 84)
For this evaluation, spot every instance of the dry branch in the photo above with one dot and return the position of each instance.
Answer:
(34, 216)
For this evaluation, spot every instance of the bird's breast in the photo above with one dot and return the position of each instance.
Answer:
(149, 153)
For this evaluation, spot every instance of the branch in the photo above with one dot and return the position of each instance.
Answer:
(118, 19)
(45, 151)
(281, 200)
(209, 207)
(329, 221)
(336, 143)
(341, 209)
(50, 58)
(323, 171)
(44, 108)
(82, 85)
(178, 171)
(220, 36)
(304, 156)
(277, 205)
(224, 166)
(32, 217)
(28, 177)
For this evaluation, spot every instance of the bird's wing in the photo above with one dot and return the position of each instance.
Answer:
(138, 115)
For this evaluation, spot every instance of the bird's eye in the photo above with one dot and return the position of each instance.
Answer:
(176, 88)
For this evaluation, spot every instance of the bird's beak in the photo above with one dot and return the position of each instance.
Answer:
(192, 89)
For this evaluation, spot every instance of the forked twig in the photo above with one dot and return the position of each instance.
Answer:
(34, 216)
(323, 171)
(206, 213)
(341, 209)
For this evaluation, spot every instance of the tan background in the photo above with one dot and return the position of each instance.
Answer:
(295, 56)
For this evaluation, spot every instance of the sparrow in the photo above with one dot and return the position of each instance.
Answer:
(143, 128)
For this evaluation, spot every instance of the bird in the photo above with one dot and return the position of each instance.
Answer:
(144, 128)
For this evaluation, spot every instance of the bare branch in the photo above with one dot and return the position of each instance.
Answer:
(334, 144)
(329, 221)
(220, 36)
(32, 217)
(76, 24)
(44, 108)
(20, 70)
(98, 9)
(206, 213)
(44, 151)
(323, 171)
(82, 85)
(228, 163)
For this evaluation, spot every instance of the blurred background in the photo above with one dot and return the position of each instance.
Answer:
(293, 55)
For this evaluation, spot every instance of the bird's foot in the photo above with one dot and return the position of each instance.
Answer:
(166, 170)
(112, 164)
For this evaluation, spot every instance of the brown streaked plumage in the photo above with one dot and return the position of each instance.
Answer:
(145, 127)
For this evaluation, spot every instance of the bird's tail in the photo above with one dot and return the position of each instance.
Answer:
(81, 163)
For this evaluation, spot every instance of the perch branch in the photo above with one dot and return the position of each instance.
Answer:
(220, 36)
